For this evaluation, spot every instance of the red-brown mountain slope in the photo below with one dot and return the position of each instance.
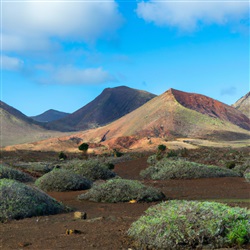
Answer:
(211, 107)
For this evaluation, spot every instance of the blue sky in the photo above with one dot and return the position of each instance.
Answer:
(62, 54)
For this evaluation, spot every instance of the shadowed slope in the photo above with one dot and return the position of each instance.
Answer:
(110, 105)
(18, 128)
(49, 116)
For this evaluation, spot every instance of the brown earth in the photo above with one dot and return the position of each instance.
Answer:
(107, 224)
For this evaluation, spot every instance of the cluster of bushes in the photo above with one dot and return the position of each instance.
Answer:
(191, 225)
(62, 180)
(11, 173)
(20, 201)
(35, 167)
(182, 169)
(122, 190)
(91, 169)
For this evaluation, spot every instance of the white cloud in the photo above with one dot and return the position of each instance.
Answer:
(187, 15)
(34, 24)
(11, 63)
(72, 75)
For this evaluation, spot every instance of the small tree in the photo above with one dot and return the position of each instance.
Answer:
(84, 147)
(62, 156)
(161, 148)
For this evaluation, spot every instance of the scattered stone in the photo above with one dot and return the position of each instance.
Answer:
(73, 231)
(80, 215)
(132, 201)
(24, 244)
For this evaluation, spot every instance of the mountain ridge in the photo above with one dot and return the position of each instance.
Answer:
(243, 104)
(110, 105)
(49, 116)
(161, 119)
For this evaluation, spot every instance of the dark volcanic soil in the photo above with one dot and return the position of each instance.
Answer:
(107, 224)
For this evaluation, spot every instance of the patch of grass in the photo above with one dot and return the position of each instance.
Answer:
(121, 190)
(182, 169)
(190, 225)
(90, 169)
(20, 201)
(11, 173)
(62, 180)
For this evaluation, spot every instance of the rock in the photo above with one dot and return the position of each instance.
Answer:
(80, 215)
(24, 244)
(132, 201)
(73, 231)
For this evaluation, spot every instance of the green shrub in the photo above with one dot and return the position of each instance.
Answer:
(241, 168)
(172, 153)
(247, 175)
(152, 159)
(121, 190)
(90, 169)
(162, 147)
(181, 169)
(191, 225)
(20, 201)
(62, 156)
(34, 167)
(11, 173)
(62, 180)
(230, 164)
(117, 153)
(84, 147)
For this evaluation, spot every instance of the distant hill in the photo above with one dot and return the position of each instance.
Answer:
(174, 114)
(110, 105)
(49, 116)
(18, 128)
(243, 104)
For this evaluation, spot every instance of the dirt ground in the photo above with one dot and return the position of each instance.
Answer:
(106, 224)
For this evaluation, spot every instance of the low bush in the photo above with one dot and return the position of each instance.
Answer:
(11, 173)
(34, 167)
(181, 169)
(117, 153)
(90, 169)
(152, 159)
(191, 225)
(247, 175)
(62, 180)
(162, 147)
(62, 156)
(121, 190)
(230, 164)
(19, 201)
(241, 168)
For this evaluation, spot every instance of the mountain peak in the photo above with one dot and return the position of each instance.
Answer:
(110, 105)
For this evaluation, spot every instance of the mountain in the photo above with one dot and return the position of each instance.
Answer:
(49, 116)
(243, 104)
(16, 113)
(110, 105)
(172, 115)
(18, 128)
